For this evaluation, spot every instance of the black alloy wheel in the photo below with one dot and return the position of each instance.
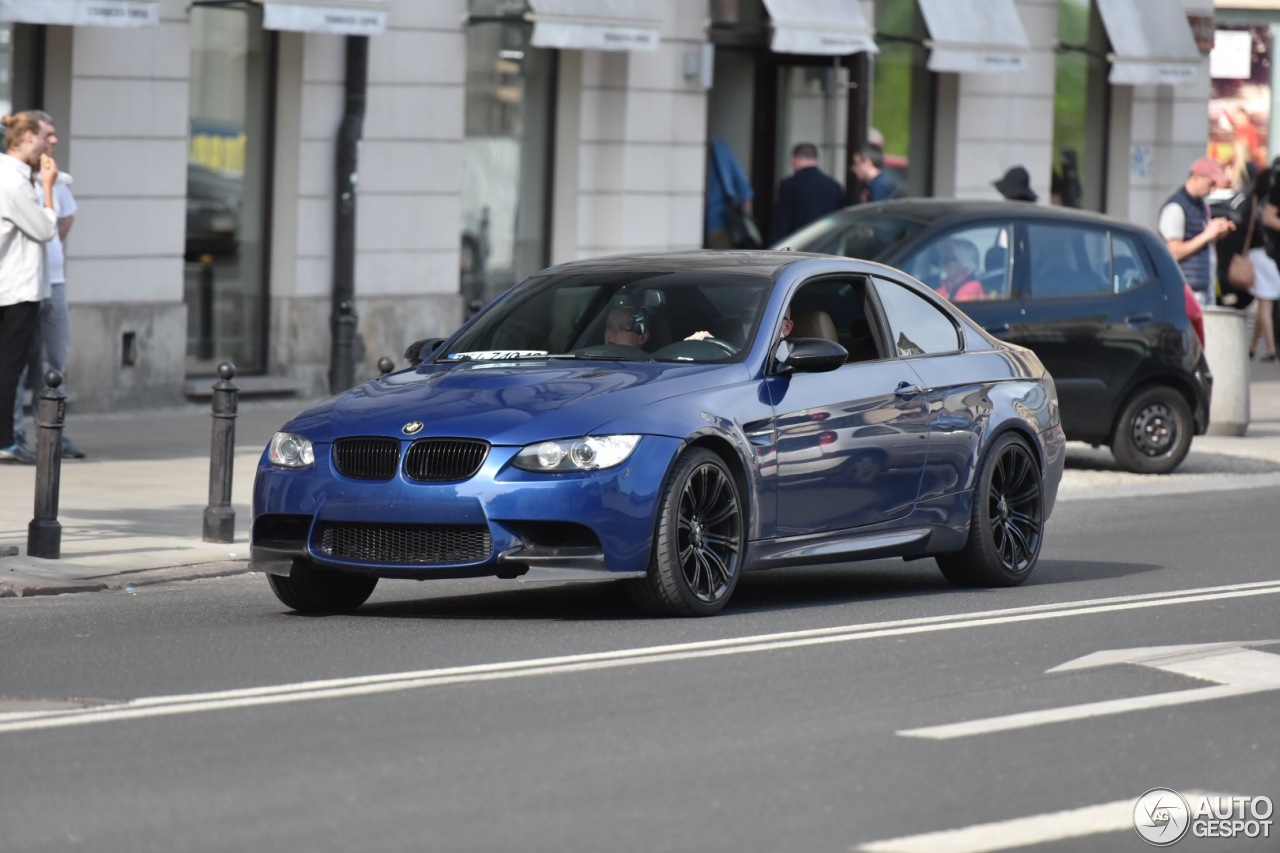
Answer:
(310, 589)
(699, 542)
(1006, 528)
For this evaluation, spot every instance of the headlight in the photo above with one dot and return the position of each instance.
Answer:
(589, 453)
(290, 451)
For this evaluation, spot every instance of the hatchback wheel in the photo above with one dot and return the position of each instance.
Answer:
(310, 589)
(699, 541)
(1153, 434)
(1006, 526)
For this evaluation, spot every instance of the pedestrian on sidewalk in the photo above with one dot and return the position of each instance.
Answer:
(867, 165)
(1015, 185)
(1189, 230)
(27, 222)
(52, 345)
(1266, 276)
(808, 194)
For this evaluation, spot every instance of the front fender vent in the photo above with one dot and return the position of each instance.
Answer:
(437, 460)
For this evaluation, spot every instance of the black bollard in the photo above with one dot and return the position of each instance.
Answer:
(386, 365)
(44, 534)
(219, 517)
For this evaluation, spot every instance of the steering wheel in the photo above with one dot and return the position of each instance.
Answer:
(729, 348)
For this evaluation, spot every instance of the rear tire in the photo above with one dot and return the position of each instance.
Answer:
(1153, 433)
(699, 542)
(1006, 526)
(310, 589)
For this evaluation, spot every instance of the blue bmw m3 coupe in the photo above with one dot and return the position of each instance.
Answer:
(672, 421)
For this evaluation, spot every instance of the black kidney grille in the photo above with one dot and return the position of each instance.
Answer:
(437, 459)
(367, 458)
(420, 544)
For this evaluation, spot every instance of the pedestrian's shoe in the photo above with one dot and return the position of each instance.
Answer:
(69, 449)
(17, 453)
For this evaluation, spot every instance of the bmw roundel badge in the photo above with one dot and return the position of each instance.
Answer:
(412, 428)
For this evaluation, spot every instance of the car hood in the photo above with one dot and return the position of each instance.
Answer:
(511, 403)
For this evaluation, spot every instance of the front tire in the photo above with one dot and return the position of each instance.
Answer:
(1006, 527)
(1153, 434)
(699, 541)
(310, 589)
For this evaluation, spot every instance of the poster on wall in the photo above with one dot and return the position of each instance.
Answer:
(1240, 103)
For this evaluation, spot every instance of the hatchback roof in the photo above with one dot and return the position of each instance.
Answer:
(934, 209)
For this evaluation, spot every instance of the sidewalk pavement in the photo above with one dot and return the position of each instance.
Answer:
(132, 513)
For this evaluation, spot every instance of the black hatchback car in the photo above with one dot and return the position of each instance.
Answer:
(1100, 301)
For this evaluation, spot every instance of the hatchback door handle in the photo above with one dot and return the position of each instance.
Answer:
(1138, 319)
(906, 391)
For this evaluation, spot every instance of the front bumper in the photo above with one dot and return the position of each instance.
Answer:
(574, 525)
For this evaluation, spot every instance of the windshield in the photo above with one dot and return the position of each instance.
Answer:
(627, 315)
(853, 233)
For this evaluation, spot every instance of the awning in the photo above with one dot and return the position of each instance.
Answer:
(824, 27)
(975, 36)
(595, 24)
(339, 17)
(82, 13)
(1150, 43)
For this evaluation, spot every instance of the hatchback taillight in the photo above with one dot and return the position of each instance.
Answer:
(1194, 312)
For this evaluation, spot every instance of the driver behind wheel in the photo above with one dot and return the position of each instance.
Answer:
(628, 326)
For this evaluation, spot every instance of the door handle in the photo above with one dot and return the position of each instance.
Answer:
(906, 391)
(1139, 319)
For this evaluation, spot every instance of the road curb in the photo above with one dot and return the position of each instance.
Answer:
(122, 580)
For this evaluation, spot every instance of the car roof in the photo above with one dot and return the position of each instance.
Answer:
(930, 210)
(763, 263)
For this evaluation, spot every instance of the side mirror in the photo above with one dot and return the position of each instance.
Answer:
(419, 351)
(811, 355)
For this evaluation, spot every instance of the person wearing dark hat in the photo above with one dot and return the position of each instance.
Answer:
(1016, 185)
(1190, 232)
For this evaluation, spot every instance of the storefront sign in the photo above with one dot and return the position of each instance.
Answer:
(820, 42)
(82, 13)
(575, 36)
(959, 61)
(323, 19)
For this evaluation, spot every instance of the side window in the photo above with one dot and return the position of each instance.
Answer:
(1130, 267)
(966, 264)
(1068, 261)
(916, 326)
(835, 309)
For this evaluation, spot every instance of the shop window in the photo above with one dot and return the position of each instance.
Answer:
(227, 154)
(902, 104)
(21, 57)
(1240, 102)
(506, 153)
(1082, 108)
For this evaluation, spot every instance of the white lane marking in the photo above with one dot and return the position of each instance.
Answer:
(1021, 832)
(371, 684)
(1234, 669)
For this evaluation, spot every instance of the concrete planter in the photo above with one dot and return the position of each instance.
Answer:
(1226, 345)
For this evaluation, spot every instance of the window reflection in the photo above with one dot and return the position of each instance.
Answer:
(226, 151)
(506, 153)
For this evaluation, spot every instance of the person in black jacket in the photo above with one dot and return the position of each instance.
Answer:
(808, 194)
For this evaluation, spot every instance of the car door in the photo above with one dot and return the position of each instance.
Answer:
(955, 386)
(851, 443)
(1086, 312)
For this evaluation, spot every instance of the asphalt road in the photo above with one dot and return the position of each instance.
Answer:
(815, 714)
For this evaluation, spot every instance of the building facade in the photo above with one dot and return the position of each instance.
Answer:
(499, 136)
